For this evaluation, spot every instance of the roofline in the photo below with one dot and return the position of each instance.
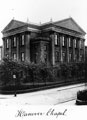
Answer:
(42, 25)
(51, 22)
(68, 29)
(73, 21)
(78, 25)
(26, 23)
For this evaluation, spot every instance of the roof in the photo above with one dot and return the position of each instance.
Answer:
(13, 24)
(70, 24)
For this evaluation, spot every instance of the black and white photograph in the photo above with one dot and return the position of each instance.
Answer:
(43, 59)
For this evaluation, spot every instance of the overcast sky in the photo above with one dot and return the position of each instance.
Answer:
(42, 11)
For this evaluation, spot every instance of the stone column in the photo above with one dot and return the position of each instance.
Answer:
(74, 51)
(9, 40)
(27, 48)
(67, 40)
(84, 50)
(17, 38)
(61, 57)
(53, 48)
(42, 52)
(79, 50)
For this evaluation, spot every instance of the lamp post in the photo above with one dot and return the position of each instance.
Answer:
(14, 78)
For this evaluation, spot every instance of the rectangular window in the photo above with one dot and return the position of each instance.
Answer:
(63, 41)
(81, 57)
(22, 40)
(14, 42)
(64, 56)
(75, 57)
(69, 42)
(7, 43)
(80, 44)
(75, 43)
(70, 57)
(14, 56)
(22, 56)
(56, 42)
(57, 56)
(45, 58)
(45, 47)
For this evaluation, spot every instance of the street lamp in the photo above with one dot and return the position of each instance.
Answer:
(14, 78)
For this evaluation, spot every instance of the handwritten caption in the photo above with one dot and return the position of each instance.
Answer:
(50, 113)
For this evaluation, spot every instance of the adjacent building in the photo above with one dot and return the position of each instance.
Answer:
(1, 53)
(51, 43)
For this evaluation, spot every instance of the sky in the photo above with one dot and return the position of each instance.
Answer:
(37, 11)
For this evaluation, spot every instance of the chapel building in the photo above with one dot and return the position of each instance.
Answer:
(51, 43)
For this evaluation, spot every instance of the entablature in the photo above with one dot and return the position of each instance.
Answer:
(64, 31)
(21, 30)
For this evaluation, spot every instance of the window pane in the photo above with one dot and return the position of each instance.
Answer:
(75, 43)
(75, 57)
(22, 39)
(63, 41)
(70, 55)
(14, 56)
(56, 40)
(14, 42)
(7, 43)
(45, 47)
(64, 56)
(69, 42)
(80, 44)
(57, 56)
(45, 58)
(22, 56)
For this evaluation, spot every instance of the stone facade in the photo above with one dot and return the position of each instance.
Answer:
(51, 43)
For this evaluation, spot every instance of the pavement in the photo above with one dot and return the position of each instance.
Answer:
(55, 96)
(70, 102)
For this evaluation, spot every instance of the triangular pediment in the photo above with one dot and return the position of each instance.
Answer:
(70, 24)
(13, 24)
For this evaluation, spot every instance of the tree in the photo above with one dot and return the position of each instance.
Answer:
(6, 70)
